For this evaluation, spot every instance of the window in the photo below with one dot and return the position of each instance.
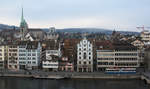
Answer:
(89, 62)
(22, 58)
(33, 58)
(79, 49)
(79, 57)
(84, 56)
(22, 62)
(33, 54)
(29, 54)
(22, 46)
(29, 62)
(33, 50)
(29, 58)
(89, 57)
(14, 54)
(33, 62)
(0, 58)
(89, 53)
(84, 63)
(22, 54)
(29, 50)
(79, 53)
(22, 50)
(79, 62)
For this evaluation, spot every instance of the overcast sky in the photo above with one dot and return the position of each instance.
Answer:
(112, 14)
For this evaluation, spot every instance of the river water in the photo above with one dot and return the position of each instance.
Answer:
(28, 83)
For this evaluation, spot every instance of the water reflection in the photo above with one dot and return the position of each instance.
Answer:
(25, 83)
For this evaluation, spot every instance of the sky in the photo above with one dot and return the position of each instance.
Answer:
(110, 14)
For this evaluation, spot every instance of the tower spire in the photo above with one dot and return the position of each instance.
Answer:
(23, 26)
(23, 22)
(22, 17)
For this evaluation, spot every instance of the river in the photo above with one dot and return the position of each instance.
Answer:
(29, 83)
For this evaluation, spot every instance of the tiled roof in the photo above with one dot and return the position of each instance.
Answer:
(32, 45)
(51, 45)
(103, 45)
(35, 29)
(115, 45)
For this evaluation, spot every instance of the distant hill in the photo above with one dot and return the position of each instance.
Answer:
(93, 30)
(3, 27)
(82, 30)
(73, 30)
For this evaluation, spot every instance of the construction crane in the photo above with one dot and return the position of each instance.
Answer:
(142, 28)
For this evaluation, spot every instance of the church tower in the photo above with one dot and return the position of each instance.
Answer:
(23, 27)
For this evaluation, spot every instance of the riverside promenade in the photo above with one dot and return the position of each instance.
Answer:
(63, 75)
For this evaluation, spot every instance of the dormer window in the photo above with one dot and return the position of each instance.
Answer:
(100, 46)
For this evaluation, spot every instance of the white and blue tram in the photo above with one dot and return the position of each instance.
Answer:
(120, 71)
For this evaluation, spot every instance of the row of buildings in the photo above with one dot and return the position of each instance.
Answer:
(81, 55)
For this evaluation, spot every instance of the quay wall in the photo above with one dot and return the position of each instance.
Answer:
(109, 76)
(74, 76)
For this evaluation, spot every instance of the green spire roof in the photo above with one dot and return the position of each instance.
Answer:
(23, 23)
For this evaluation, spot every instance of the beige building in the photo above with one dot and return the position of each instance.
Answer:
(147, 59)
(120, 55)
(105, 59)
(2, 56)
(145, 35)
(11, 55)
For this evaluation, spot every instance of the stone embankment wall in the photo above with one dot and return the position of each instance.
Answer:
(60, 75)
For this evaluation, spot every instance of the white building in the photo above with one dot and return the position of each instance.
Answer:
(50, 55)
(29, 55)
(50, 64)
(22, 55)
(84, 56)
(49, 52)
